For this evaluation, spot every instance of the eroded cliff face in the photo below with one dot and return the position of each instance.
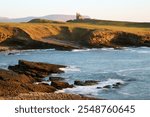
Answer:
(32, 37)
(7, 32)
(116, 39)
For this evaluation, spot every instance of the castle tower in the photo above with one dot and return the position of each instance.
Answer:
(79, 16)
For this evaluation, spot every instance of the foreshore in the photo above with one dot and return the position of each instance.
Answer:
(24, 82)
(48, 96)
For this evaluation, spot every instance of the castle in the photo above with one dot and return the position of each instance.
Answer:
(79, 16)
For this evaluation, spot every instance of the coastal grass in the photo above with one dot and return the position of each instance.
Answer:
(112, 23)
(41, 30)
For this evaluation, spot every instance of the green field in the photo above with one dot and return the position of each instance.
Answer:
(113, 23)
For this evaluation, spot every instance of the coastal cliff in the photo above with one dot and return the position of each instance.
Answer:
(68, 36)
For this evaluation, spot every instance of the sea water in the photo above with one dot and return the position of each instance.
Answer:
(129, 66)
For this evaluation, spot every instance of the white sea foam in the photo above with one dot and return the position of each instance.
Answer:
(110, 82)
(90, 90)
(83, 50)
(85, 90)
(19, 52)
(70, 69)
(45, 82)
(107, 49)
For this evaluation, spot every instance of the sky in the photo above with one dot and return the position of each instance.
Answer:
(124, 10)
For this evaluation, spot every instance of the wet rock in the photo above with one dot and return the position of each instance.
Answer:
(86, 83)
(11, 53)
(60, 85)
(99, 87)
(36, 69)
(78, 82)
(117, 85)
(56, 79)
(107, 87)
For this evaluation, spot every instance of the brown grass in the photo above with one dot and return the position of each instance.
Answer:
(41, 30)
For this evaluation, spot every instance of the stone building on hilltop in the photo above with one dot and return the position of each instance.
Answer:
(79, 16)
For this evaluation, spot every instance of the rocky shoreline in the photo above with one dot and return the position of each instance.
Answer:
(24, 82)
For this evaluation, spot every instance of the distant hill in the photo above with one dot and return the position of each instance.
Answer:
(43, 21)
(56, 17)
(4, 19)
(112, 23)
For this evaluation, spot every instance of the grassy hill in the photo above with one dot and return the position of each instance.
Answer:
(112, 23)
(43, 21)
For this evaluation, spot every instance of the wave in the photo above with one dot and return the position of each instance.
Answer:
(19, 52)
(111, 82)
(70, 69)
(93, 49)
(107, 49)
(85, 90)
(84, 50)
(91, 90)
(142, 50)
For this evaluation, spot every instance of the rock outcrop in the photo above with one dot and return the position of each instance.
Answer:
(36, 69)
(60, 85)
(115, 85)
(22, 82)
(12, 84)
(86, 83)
(108, 38)
(56, 78)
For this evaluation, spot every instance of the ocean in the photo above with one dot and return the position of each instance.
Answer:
(128, 66)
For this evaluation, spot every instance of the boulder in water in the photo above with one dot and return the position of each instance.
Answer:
(107, 87)
(56, 79)
(60, 85)
(116, 85)
(86, 83)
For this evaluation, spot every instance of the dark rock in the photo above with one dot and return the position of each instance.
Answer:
(91, 82)
(99, 87)
(117, 85)
(56, 78)
(60, 85)
(11, 53)
(78, 82)
(107, 87)
(86, 83)
(36, 69)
